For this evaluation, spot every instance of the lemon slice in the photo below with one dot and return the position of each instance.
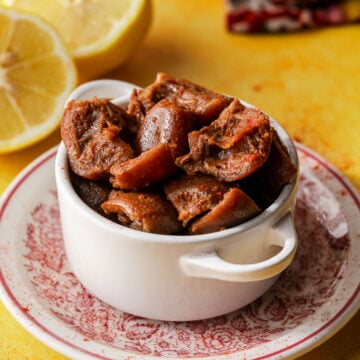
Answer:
(37, 74)
(100, 34)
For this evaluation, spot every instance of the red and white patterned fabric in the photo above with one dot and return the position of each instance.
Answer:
(289, 15)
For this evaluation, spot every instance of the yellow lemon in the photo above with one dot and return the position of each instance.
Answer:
(37, 74)
(100, 34)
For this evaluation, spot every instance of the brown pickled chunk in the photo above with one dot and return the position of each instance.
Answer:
(150, 212)
(217, 161)
(193, 195)
(231, 147)
(205, 105)
(165, 122)
(149, 168)
(265, 184)
(235, 208)
(91, 131)
(93, 193)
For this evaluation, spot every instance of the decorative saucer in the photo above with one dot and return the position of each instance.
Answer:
(312, 299)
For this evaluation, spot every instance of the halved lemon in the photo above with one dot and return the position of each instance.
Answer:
(100, 34)
(37, 74)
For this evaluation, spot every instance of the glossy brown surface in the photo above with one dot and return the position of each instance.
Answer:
(192, 195)
(143, 211)
(151, 167)
(169, 149)
(235, 208)
(168, 123)
(205, 105)
(92, 132)
(232, 146)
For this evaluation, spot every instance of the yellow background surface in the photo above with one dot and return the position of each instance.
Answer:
(309, 82)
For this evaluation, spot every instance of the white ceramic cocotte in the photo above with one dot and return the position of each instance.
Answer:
(171, 277)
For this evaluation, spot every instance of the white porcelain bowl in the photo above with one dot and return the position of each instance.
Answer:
(170, 277)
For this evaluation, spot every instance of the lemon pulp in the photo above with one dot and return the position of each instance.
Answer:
(100, 34)
(37, 74)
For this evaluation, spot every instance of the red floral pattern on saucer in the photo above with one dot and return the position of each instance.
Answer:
(311, 281)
